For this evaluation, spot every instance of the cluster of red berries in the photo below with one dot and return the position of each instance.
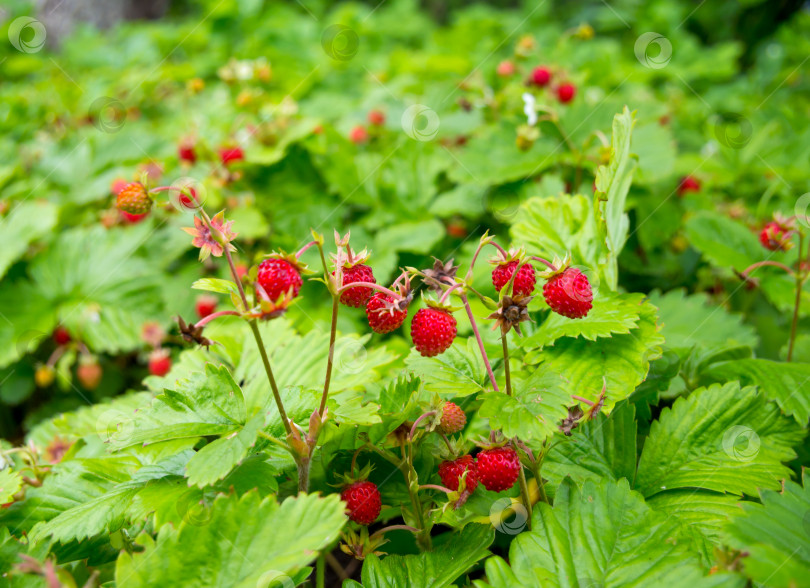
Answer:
(186, 152)
(359, 134)
(541, 77)
(497, 469)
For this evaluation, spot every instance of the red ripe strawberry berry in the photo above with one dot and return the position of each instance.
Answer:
(541, 76)
(524, 281)
(774, 237)
(160, 362)
(381, 318)
(433, 331)
(376, 118)
(186, 152)
(206, 305)
(89, 373)
(358, 296)
(453, 419)
(498, 469)
(566, 92)
(363, 503)
(688, 184)
(358, 135)
(134, 200)
(505, 68)
(231, 154)
(132, 219)
(451, 471)
(569, 293)
(279, 276)
(61, 336)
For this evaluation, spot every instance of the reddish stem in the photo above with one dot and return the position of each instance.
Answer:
(204, 321)
(581, 399)
(435, 487)
(304, 248)
(480, 342)
(759, 264)
(419, 420)
(550, 265)
(446, 293)
(371, 285)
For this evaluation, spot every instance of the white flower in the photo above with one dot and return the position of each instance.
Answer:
(529, 108)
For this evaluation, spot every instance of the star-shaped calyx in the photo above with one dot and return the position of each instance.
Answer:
(511, 312)
(440, 275)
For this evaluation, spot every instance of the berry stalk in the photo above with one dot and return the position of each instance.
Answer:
(799, 283)
(331, 357)
(506, 371)
(477, 334)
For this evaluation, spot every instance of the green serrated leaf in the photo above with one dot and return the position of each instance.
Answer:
(433, 569)
(241, 543)
(720, 438)
(459, 371)
(533, 411)
(774, 535)
(600, 534)
(620, 362)
(788, 384)
(602, 448)
(611, 314)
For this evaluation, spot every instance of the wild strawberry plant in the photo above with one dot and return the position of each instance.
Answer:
(517, 444)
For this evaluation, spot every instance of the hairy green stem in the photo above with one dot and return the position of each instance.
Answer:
(320, 571)
(524, 493)
(506, 368)
(799, 284)
(331, 357)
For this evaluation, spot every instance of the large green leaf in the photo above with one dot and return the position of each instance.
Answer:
(720, 438)
(246, 542)
(722, 241)
(533, 411)
(620, 362)
(611, 314)
(207, 403)
(70, 486)
(786, 383)
(554, 225)
(459, 371)
(433, 569)
(692, 320)
(27, 222)
(602, 534)
(774, 535)
(613, 183)
(702, 514)
(602, 448)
